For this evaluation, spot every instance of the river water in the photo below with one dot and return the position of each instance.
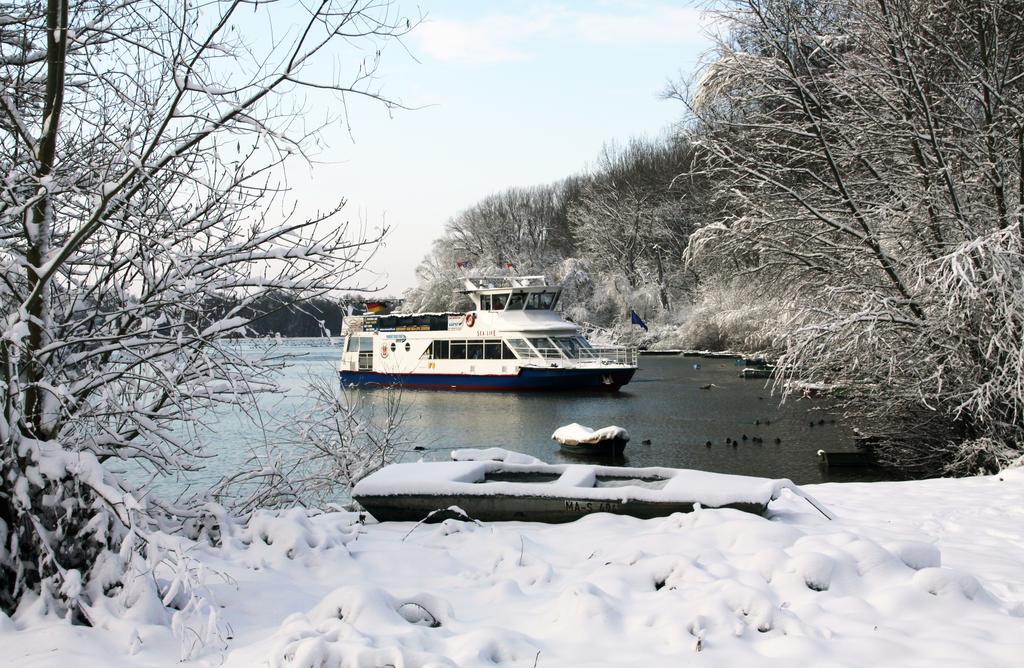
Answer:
(669, 417)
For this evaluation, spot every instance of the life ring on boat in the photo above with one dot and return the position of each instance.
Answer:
(470, 319)
(384, 350)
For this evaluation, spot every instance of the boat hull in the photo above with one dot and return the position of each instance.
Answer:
(527, 380)
(611, 446)
(501, 508)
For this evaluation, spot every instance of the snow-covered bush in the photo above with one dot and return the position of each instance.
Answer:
(141, 149)
(344, 436)
(727, 316)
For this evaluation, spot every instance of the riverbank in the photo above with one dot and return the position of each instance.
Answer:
(922, 573)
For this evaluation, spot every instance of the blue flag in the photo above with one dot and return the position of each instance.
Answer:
(635, 319)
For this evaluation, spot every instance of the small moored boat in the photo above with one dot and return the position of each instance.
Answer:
(580, 440)
(525, 489)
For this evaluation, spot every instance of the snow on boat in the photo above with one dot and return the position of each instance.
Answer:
(525, 489)
(578, 439)
(512, 340)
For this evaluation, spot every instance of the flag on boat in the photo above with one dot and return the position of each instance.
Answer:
(375, 307)
(635, 319)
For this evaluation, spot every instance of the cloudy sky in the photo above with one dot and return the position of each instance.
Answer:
(506, 94)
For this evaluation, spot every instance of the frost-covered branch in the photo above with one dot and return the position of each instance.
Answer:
(144, 210)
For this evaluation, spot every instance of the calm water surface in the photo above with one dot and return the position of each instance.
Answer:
(663, 405)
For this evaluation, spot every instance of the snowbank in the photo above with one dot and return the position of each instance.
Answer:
(916, 574)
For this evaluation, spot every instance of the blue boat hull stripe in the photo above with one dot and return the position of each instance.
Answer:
(526, 380)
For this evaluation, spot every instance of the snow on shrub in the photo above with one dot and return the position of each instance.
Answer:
(946, 582)
(291, 534)
(916, 555)
(363, 625)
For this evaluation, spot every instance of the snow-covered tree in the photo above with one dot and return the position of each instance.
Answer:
(345, 435)
(440, 279)
(871, 156)
(141, 146)
(630, 218)
(524, 227)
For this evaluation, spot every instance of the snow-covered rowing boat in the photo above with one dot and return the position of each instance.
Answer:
(522, 488)
(513, 339)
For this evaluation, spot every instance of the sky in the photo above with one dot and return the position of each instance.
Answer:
(500, 94)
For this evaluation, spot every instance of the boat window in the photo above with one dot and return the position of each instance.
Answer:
(440, 350)
(397, 322)
(392, 347)
(516, 301)
(584, 344)
(475, 350)
(362, 344)
(533, 301)
(457, 350)
(485, 302)
(544, 347)
(498, 301)
(568, 345)
(521, 348)
(492, 349)
(407, 347)
(547, 300)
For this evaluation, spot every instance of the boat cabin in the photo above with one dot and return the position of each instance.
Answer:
(511, 293)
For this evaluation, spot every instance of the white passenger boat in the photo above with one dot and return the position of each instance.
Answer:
(512, 340)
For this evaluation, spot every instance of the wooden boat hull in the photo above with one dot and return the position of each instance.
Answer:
(485, 487)
(498, 508)
(614, 446)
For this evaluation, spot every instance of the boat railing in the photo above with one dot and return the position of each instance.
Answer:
(606, 355)
(616, 354)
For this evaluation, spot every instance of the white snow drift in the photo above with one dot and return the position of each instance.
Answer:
(907, 574)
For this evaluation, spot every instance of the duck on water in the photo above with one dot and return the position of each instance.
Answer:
(512, 340)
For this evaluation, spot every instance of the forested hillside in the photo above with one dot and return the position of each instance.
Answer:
(844, 192)
(281, 314)
(613, 236)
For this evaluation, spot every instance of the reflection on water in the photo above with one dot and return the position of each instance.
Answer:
(667, 413)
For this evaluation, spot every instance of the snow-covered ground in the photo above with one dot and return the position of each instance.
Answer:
(908, 574)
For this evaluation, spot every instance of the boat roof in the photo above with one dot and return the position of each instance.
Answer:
(486, 283)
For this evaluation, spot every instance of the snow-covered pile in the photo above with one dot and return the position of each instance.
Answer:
(908, 574)
(574, 434)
